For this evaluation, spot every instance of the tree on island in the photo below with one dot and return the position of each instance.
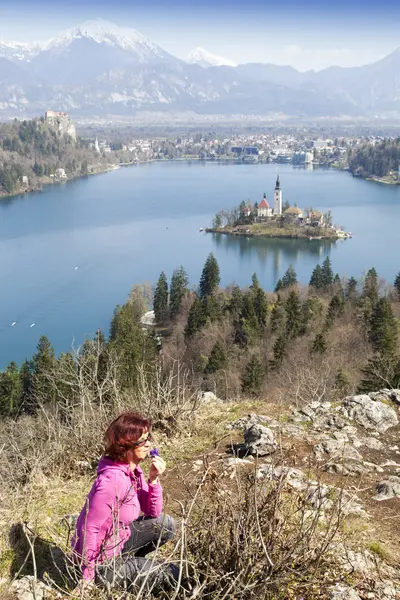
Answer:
(160, 300)
(217, 221)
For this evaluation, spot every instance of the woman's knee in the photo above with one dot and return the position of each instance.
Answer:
(167, 526)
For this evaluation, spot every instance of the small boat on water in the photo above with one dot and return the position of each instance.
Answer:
(201, 229)
(13, 323)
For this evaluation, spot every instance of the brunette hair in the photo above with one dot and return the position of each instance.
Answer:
(123, 432)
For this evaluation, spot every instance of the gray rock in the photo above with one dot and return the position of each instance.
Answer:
(253, 419)
(335, 449)
(209, 398)
(388, 488)
(370, 414)
(294, 478)
(347, 468)
(386, 394)
(372, 444)
(340, 592)
(27, 588)
(259, 440)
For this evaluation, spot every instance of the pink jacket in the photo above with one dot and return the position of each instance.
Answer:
(116, 499)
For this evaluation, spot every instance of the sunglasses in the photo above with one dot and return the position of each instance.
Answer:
(143, 442)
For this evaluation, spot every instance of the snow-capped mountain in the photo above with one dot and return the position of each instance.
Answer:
(98, 68)
(20, 51)
(104, 32)
(206, 59)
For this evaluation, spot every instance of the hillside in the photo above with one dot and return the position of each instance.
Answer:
(41, 151)
(278, 415)
(377, 161)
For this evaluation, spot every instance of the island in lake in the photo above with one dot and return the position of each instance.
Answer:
(283, 220)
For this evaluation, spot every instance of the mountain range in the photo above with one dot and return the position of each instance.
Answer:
(98, 69)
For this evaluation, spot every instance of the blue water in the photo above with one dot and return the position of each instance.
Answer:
(125, 226)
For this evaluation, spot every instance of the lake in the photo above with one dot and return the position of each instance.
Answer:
(71, 253)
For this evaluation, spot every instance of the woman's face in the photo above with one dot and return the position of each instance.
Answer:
(142, 447)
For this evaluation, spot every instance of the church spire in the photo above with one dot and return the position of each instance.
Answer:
(278, 184)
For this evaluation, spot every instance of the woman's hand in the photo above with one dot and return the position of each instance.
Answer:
(157, 468)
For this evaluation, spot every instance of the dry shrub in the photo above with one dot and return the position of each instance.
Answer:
(65, 436)
(260, 540)
(240, 538)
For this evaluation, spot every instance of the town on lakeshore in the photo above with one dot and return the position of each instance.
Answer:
(280, 220)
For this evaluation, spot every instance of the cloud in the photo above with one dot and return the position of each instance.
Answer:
(293, 50)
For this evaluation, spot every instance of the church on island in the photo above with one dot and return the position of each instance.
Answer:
(265, 210)
(293, 214)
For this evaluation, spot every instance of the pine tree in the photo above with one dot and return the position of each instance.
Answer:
(178, 289)
(317, 280)
(383, 332)
(319, 345)
(279, 285)
(10, 391)
(290, 277)
(397, 285)
(43, 362)
(335, 309)
(252, 376)
(370, 289)
(260, 306)
(342, 382)
(210, 277)
(236, 302)
(160, 299)
(217, 359)
(278, 316)
(293, 315)
(130, 342)
(351, 289)
(255, 284)
(383, 370)
(279, 351)
(327, 273)
(196, 318)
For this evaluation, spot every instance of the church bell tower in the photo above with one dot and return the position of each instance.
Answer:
(277, 198)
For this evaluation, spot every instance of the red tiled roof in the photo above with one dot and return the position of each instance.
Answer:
(263, 203)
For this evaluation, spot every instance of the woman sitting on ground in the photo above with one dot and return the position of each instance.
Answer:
(111, 538)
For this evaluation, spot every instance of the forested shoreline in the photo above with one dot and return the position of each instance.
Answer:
(379, 160)
(32, 152)
(234, 341)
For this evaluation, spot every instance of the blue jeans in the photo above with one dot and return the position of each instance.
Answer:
(132, 568)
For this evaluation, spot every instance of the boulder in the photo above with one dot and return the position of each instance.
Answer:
(386, 394)
(259, 440)
(341, 592)
(294, 478)
(28, 588)
(253, 419)
(336, 449)
(209, 398)
(388, 488)
(369, 413)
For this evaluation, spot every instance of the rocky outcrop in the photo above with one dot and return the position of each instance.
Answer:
(370, 413)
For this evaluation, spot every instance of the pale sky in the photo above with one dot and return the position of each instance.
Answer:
(301, 34)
